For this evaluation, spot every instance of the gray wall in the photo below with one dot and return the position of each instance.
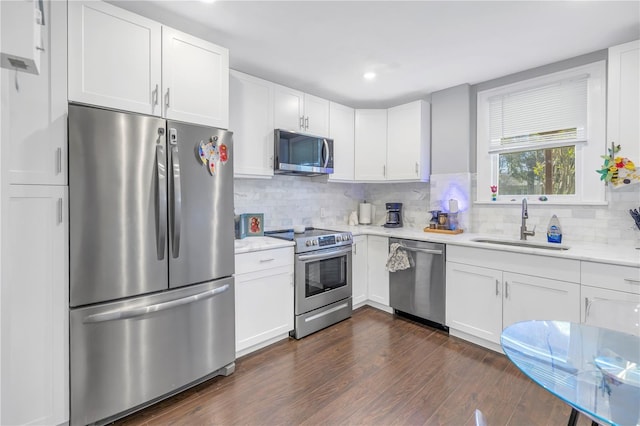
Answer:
(450, 130)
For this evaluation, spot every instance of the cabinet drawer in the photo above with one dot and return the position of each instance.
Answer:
(613, 277)
(550, 267)
(265, 259)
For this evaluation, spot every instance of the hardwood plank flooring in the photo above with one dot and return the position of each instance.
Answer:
(372, 369)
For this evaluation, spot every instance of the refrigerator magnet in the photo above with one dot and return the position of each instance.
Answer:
(224, 154)
(201, 154)
(208, 155)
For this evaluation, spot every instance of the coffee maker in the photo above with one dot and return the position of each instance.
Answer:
(394, 215)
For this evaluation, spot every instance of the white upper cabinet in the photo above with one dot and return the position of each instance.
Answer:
(408, 147)
(300, 112)
(34, 123)
(195, 80)
(288, 108)
(623, 99)
(370, 144)
(121, 60)
(316, 115)
(251, 120)
(342, 131)
(393, 144)
(114, 58)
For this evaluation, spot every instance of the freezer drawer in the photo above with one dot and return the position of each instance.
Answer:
(420, 290)
(124, 354)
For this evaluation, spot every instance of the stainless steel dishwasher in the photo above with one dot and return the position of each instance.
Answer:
(420, 290)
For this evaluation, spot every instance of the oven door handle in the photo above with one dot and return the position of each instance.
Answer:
(305, 257)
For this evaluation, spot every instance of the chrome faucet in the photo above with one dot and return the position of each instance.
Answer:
(523, 228)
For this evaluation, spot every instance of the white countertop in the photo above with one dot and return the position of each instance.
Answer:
(605, 253)
(250, 244)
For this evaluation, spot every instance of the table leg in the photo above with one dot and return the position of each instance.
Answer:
(573, 418)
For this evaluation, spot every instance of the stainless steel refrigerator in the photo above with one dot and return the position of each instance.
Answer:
(151, 259)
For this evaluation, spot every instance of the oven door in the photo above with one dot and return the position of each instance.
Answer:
(322, 277)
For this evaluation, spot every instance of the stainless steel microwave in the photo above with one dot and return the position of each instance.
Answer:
(300, 154)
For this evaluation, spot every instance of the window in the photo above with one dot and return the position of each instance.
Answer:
(543, 137)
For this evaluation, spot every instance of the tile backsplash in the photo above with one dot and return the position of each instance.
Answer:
(297, 200)
(291, 200)
(607, 224)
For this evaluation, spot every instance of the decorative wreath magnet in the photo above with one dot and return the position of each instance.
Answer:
(210, 153)
(618, 170)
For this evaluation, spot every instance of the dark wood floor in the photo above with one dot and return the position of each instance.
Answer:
(372, 369)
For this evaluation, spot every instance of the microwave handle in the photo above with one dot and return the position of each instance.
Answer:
(325, 151)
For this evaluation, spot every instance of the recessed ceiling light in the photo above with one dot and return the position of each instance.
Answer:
(369, 75)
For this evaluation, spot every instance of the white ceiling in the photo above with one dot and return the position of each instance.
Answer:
(415, 47)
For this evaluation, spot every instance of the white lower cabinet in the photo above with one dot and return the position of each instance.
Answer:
(34, 305)
(474, 300)
(481, 301)
(590, 295)
(359, 270)
(378, 276)
(264, 298)
(607, 282)
(535, 298)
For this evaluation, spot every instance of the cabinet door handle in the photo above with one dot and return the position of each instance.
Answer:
(417, 168)
(506, 289)
(355, 249)
(384, 170)
(632, 280)
(497, 284)
(306, 123)
(59, 211)
(155, 95)
(271, 259)
(587, 307)
(302, 122)
(167, 99)
(58, 161)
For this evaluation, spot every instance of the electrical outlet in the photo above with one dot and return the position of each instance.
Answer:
(323, 212)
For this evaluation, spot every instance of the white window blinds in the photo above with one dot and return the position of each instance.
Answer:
(548, 116)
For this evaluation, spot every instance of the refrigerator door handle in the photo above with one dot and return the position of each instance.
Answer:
(122, 314)
(161, 224)
(176, 202)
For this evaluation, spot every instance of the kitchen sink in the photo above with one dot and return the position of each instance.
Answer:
(516, 243)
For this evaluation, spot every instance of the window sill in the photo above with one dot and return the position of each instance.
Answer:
(535, 201)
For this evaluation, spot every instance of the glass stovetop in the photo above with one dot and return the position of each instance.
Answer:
(288, 234)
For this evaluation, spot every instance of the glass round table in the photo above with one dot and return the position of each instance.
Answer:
(594, 370)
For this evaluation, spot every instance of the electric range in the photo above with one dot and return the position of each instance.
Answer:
(322, 283)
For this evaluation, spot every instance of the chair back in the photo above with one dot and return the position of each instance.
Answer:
(619, 315)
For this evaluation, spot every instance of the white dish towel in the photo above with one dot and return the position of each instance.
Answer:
(398, 259)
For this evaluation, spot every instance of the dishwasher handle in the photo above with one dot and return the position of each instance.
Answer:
(428, 251)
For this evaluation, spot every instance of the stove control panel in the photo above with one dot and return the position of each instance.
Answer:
(324, 241)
